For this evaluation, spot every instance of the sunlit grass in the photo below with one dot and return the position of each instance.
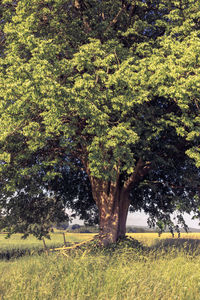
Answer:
(150, 239)
(123, 275)
(165, 268)
(56, 239)
(15, 246)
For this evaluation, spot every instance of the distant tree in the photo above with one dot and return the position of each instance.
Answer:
(63, 225)
(75, 226)
(110, 88)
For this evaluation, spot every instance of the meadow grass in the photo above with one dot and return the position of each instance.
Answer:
(142, 273)
(124, 275)
(56, 239)
(15, 246)
(150, 239)
(16, 241)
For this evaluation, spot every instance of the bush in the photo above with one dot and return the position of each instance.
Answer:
(75, 226)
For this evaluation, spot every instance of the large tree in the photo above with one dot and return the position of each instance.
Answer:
(111, 88)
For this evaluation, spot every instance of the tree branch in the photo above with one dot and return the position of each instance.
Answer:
(172, 186)
(81, 7)
(114, 21)
(140, 171)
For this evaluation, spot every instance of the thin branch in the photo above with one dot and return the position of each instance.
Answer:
(140, 171)
(118, 62)
(172, 186)
(114, 21)
(132, 11)
(197, 105)
(81, 7)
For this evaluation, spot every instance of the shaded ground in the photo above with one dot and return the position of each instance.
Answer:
(190, 246)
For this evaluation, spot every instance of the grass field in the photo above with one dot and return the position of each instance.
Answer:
(15, 246)
(125, 273)
(56, 239)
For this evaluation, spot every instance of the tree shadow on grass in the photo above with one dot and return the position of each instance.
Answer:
(170, 247)
(163, 248)
(176, 246)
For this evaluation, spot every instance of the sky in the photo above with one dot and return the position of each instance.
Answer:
(140, 219)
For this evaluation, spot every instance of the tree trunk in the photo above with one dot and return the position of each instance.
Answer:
(113, 203)
(123, 213)
(112, 200)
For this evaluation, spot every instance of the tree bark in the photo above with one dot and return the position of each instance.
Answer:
(113, 203)
(112, 200)
(123, 213)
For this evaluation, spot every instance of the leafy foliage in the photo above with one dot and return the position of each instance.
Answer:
(102, 84)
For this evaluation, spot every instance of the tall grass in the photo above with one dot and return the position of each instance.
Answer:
(150, 239)
(149, 273)
(15, 246)
(16, 241)
(124, 275)
(56, 239)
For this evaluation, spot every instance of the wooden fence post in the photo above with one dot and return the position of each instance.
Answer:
(64, 238)
(45, 246)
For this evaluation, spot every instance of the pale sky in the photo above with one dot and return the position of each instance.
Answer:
(140, 219)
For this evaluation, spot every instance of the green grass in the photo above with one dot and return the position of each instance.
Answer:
(121, 276)
(15, 246)
(168, 269)
(16, 241)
